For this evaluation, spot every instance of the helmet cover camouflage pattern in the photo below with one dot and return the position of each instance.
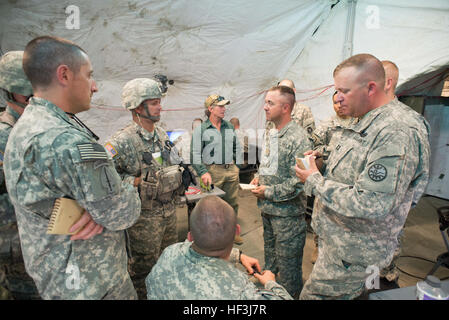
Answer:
(12, 76)
(138, 90)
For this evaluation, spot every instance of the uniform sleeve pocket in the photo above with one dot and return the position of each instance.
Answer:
(381, 175)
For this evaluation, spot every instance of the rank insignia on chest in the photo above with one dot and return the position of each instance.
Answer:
(111, 149)
(92, 151)
(377, 172)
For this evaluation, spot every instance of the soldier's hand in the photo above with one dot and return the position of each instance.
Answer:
(207, 179)
(304, 174)
(318, 157)
(265, 276)
(259, 192)
(137, 181)
(255, 181)
(88, 228)
(250, 263)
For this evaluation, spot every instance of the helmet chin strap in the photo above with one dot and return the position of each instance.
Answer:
(148, 116)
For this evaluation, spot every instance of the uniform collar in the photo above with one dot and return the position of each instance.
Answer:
(196, 257)
(208, 124)
(149, 136)
(366, 120)
(51, 107)
(58, 112)
(285, 128)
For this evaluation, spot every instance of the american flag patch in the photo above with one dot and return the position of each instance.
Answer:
(92, 151)
(111, 149)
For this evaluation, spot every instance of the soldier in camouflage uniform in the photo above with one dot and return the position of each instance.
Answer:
(140, 150)
(391, 272)
(50, 154)
(324, 138)
(377, 170)
(14, 281)
(328, 132)
(280, 195)
(204, 267)
(301, 114)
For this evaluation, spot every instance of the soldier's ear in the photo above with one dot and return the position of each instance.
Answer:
(189, 237)
(63, 74)
(139, 109)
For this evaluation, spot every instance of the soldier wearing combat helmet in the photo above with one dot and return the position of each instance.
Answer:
(141, 150)
(16, 90)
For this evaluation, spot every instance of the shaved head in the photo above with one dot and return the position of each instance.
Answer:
(213, 225)
(391, 72)
(286, 93)
(368, 68)
(287, 83)
(360, 85)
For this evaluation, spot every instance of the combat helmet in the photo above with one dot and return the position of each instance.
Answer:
(138, 90)
(13, 78)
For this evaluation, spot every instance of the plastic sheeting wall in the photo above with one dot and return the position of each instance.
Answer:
(412, 33)
(235, 48)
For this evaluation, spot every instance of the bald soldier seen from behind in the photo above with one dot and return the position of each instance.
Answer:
(203, 267)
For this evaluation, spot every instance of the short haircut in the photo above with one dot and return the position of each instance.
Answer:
(287, 92)
(44, 54)
(213, 224)
(288, 83)
(391, 70)
(368, 66)
(235, 121)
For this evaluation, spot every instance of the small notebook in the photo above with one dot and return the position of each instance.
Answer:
(246, 186)
(303, 163)
(65, 213)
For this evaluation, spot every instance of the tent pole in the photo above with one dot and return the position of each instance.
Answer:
(349, 35)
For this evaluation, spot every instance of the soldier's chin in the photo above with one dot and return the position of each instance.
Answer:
(155, 118)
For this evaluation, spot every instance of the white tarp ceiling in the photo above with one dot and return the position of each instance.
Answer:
(234, 48)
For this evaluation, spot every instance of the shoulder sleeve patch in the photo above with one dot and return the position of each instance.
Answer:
(92, 152)
(112, 151)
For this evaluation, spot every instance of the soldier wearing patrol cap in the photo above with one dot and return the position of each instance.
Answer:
(51, 154)
(16, 90)
(215, 150)
(376, 172)
(141, 151)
